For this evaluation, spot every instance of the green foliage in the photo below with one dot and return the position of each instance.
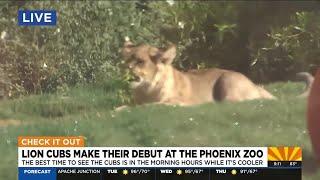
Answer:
(203, 31)
(261, 39)
(290, 49)
(83, 48)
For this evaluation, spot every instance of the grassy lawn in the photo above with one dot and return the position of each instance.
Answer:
(88, 111)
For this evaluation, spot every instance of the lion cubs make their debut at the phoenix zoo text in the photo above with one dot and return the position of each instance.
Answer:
(157, 81)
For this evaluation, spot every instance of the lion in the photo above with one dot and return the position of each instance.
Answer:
(158, 81)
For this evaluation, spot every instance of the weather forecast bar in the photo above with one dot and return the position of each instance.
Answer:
(172, 174)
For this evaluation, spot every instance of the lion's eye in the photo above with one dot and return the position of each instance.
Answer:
(139, 62)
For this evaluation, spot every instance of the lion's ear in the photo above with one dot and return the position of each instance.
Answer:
(168, 55)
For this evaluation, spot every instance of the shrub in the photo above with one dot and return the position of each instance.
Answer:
(289, 49)
(83, 46)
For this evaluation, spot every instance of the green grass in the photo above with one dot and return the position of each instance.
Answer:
(88, 111)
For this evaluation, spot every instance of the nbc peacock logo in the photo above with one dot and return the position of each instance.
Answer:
(284, 154)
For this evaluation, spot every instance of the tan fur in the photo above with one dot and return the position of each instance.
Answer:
(161, 83)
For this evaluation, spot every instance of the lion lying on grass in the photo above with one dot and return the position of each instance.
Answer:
(157, 81)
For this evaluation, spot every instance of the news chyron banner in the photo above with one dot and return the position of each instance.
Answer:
(67, 158)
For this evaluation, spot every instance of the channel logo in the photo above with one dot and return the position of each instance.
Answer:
(37, 18)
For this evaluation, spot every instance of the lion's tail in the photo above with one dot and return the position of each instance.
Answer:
(308, 79)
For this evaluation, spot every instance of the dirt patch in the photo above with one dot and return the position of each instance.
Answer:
(10, 122)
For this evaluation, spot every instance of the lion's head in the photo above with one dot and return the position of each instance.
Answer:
(144, 61)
